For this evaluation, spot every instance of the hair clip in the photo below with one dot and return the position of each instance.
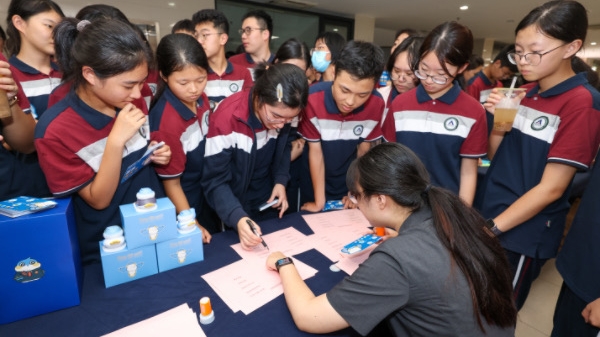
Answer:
(279, 92)
(81, 25)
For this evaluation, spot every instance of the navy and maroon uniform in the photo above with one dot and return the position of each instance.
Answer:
(480, 87)
(184, 131)
(440, 131)
(61, 91)
(71, 156)
(339, 135)
(243, 160)
(235, 78)
(246, 61)
(36, 85)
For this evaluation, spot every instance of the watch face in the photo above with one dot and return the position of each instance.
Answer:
(490, 223)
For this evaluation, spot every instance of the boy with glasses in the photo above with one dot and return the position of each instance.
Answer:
(342, 120)
(224, 78)
(256, 32)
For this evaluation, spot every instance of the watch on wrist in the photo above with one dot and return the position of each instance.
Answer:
(491, 225)
(282, 262)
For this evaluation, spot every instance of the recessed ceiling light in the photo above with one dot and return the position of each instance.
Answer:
(464, 8)
(335, 29)
(593, 43)
(171, 4)
(274, 37)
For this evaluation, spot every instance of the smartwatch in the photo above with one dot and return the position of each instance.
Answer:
(491, 225)
(282, 262)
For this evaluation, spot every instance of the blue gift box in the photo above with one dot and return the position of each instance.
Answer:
(181, 251)
(40, 268)
(128, 264)
(149, 227)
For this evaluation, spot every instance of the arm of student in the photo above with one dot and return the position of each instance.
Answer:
(297, 148)
(555, 180)
(363, 148)
(279, 193)
(316, 165)
(175, 193)
(468, 179)
(101, 190)
(162, 155)
(494, 142)
(18, 130)
(311, 314)
(591, 313)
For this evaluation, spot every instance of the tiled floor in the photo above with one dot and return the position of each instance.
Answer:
(535, 318)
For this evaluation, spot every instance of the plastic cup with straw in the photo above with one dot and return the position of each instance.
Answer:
(507, 107)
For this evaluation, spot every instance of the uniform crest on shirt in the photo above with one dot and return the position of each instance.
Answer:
(358, 130)
(451, 124)
(540, 123)
(234, 87)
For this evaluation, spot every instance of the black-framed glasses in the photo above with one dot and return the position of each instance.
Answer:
(204, 36)
(248, 30)
(437, 79)
(533, 58)
(402, 76)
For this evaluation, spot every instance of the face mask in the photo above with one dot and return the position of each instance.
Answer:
(319, 62)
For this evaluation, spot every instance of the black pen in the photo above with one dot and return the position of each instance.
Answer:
(249, 222)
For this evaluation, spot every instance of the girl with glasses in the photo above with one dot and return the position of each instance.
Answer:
(442, 124)
(90, 138)
(247, 152)
(555, 133)
(179, 117)
(442, 274)
(400, 66)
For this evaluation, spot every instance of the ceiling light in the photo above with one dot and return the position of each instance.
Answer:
(171, 4)
(335, 29)
(593, 43)
(464, 8)
(274, 37)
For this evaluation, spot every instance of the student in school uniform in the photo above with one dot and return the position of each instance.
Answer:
(30, 47)
(402, 35)
(88, 161)
(400, 65)
(328, 46)
(492, 75)
(442, 124)
(256, 32)
(224, 77)
(179, 116)
(341, 122)
(63, 57)
(185, 26)
(555, 133)
(247, 155)
(16, 132)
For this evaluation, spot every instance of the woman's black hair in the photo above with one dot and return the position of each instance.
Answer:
(25, 9)
(101, 11)
(293, 83)
(110, 47)
(174, 53)
(185, 25)
(293, 49)
(393, 170)
(334, 42)
(451, 42)
(411, 44)
(563, 20)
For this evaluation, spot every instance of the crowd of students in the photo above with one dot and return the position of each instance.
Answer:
(300, 127)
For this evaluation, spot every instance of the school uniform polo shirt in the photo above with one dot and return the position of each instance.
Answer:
(235, 78)
(480, 87)
(246, 61)
(339, 135)
(559, 125)
(440, 131)
(36, 85)
(71, 156)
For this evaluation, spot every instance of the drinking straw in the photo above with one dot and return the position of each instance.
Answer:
(512, 86)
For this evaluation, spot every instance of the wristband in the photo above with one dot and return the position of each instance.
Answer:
(491, 225)
(282, 262)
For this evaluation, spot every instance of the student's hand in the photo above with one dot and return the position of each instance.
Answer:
(248, 239)
(311, 207)
(591, 313)
(297, 147)
(205, 234)
(272, 258)
(348, 204)
(162, 155)
(129, 121)
(279, 192)
(7, 83)
(492, 100)
(389, 233)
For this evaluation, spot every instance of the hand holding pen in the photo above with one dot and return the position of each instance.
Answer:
(249, 233)
(253, 228)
